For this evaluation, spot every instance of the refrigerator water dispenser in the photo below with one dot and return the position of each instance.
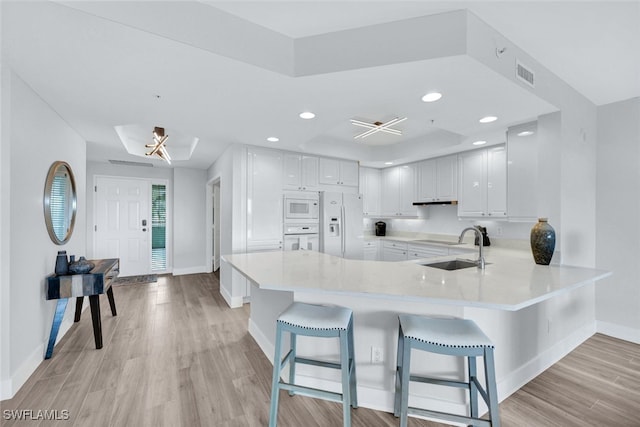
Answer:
(334, 227)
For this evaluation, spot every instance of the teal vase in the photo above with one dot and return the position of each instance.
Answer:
(543, 242)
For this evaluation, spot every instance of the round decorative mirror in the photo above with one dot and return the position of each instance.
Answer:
(60, 202)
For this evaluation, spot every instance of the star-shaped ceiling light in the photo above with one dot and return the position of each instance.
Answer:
(378, 127)
(158, 147)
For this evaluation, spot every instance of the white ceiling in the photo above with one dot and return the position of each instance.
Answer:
(105, 64)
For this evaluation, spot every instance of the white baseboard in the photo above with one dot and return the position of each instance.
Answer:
(543, 361)
(5, 389)
(190, 270)
(263, 342)
(9, 387)
(232, 302)
(618, 331)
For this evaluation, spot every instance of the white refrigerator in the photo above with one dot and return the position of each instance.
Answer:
(341, 225)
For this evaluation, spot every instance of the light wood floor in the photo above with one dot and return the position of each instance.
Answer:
(176, 355)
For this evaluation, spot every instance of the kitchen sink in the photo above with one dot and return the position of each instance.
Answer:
(440, 242)
(455, 264)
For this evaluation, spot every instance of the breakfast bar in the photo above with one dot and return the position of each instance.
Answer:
(534, 314)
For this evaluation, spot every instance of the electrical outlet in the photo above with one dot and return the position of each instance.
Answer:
(376, 355)
(498, 231)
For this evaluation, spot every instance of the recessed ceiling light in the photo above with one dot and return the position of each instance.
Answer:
(273, 139)
(388, 163)
(479, 142)
(525, 133)
(432, 96)
(488, 119)
(307, 115)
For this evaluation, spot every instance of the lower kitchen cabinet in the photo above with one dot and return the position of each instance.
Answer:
(371, 250)
(394, 251)
(424, 251)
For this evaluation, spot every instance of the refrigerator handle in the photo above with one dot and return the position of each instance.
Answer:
(344, 229)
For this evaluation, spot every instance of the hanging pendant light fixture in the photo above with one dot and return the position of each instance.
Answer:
(158, 147)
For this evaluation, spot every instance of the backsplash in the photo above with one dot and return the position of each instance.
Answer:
(444, 220)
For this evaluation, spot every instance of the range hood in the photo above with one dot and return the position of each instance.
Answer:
(439, 202)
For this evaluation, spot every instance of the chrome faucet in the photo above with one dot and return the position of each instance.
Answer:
(479, 235)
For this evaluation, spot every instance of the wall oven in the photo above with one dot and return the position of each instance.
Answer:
(301, 207)
(301, 237)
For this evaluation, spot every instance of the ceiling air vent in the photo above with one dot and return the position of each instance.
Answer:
(128, 163)
(525, 74)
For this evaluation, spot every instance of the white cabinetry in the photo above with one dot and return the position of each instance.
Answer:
(370, 189)
(300, 172)
(425, 251)
(371, 248)
(399, 191)
(264, 199)
(482, 186)
(522, 172)
(338, 172)
(394, 251)
(438, 179)
(497, 182)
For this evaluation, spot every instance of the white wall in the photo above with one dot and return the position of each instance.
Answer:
(618, 219)
(5, 232)
(35, 138)
(230, 169)
(189, 225)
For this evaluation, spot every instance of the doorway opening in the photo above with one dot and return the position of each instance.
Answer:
(158, 227)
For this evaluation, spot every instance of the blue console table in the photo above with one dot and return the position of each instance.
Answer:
(97, 281)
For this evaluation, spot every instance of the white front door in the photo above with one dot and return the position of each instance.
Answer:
(123, 223)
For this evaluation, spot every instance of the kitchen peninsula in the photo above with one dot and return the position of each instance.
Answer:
(534, 314)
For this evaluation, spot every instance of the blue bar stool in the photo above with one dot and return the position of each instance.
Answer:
(315, 321)
(453, 337)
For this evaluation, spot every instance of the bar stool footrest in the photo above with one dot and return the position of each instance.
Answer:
(312, 392)
(439, 381)
(449, 417)
(320, 363)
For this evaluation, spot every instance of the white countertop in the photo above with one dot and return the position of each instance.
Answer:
(510, 281)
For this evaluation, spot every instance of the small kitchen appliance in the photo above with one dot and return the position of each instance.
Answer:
(485, 237)
(381, 228)
(301, 207)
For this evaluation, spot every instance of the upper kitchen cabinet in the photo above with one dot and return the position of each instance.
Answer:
(438, 179)
(338, 172)
(482, 185)
(264, 199)
(300, 172)
(522, 172)
(370, 188)
(399, 191)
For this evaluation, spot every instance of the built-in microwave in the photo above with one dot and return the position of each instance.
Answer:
(301, 206)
